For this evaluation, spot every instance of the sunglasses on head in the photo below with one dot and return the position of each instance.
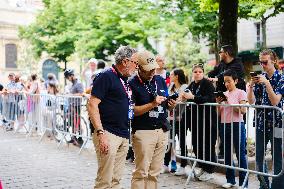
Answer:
(198, 65)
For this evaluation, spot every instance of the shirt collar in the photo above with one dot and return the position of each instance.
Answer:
(275, 74)
(119, 74)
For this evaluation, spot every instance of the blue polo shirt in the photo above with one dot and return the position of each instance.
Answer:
(142, 95)
(114, 102)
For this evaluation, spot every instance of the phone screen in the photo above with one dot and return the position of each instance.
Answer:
(173, 96)
(253, 74)
(220, 94)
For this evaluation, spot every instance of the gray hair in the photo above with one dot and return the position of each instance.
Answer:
(122, 53)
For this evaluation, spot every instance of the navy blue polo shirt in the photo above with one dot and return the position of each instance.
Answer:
(141, 95)
(114, 102)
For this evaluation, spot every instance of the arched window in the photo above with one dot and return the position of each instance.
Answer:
(11, 55)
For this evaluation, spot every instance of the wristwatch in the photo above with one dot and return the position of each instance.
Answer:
(100, 132)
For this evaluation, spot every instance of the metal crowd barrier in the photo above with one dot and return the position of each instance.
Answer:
(205, 127)
(13, 110)
(70, 124)
(55, 116)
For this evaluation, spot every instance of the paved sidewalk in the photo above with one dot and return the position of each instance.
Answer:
(28, 164)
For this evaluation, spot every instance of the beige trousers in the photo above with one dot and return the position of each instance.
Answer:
(111, 166)
(149, 148)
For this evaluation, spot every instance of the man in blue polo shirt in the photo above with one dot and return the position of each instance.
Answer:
(150, 125)
(110, 111)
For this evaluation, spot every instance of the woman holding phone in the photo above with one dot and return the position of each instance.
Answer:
(178, 85)
(201, 121)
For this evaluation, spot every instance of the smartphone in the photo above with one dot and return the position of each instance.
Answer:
(254, 74)
(186, 90)
(220, 94)
(173, 96)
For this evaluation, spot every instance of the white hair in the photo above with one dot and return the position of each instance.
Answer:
(122, 53)
(93, 60)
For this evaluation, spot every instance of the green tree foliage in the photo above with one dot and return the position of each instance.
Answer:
(181, 50)
(120, 22)
(91, 27)
(184, 24)
(261, 10)
(97, 28)
(58, 27)
(191, 14)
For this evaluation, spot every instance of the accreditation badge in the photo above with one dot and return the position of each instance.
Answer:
(131, 111)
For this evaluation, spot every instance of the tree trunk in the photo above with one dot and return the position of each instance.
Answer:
(216, 49)
(263, 30)
(228, 17)
(65, 68)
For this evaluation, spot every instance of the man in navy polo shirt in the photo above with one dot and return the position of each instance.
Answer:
(150, 125)
(110, 110)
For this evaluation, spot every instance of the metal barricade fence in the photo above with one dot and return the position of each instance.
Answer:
(44, 118)
(34, 114)
(71, 125)
(205, 126)
(63, 117)
(13, 110)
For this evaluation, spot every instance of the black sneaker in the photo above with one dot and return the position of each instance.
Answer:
(78, 141)
(72, 140)
(9, 129)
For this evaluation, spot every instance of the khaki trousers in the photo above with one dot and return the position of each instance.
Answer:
(149, 148)
(111, 166)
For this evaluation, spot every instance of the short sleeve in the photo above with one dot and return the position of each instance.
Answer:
(242, 96)
(132, 87)
(280, 86)
(101, 86)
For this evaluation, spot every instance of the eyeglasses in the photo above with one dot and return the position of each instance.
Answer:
(263, 62)
(133, 62)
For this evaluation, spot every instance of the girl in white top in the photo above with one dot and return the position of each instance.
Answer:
(178, 85)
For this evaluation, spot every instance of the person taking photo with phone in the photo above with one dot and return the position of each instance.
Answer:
(178, 85)
(268, 89)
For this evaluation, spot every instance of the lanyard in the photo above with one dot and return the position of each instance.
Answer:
(196, 91)
(148, 87)
(125, 85)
